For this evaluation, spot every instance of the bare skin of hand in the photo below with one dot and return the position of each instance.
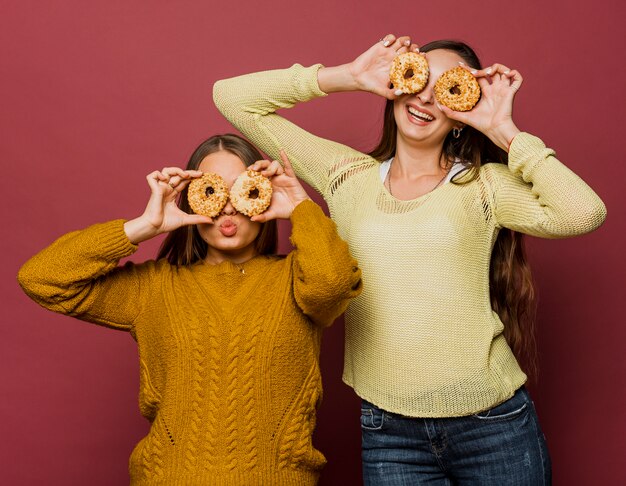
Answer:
(162, 215)
(287, 190)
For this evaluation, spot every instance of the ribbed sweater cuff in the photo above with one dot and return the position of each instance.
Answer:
(525, 153)
(111, 241)
(307, 81)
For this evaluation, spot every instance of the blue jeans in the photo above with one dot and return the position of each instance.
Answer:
(498, 447)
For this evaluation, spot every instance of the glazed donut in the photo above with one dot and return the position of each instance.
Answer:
(251, 193)
(409, 72)
(457, 89)
(207, 195)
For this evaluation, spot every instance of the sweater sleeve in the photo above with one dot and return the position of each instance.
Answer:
(326, 276)
(539, 196)
(78, 275)
(249, 102)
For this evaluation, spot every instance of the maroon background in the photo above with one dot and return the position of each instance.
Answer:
(96, 94)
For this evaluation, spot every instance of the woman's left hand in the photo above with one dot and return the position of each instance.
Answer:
(493, 115)
(287, 192)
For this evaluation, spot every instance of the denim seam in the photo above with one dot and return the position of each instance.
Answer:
(432, 446)
(505, 416)
(370, 414)
(543, 459)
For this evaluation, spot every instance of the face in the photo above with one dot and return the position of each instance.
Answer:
(417, 116)
(232, 235)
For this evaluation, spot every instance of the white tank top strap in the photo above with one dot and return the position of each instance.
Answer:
(457, 168)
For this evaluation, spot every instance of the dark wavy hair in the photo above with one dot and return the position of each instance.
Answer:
(510, 281)
(184, 245)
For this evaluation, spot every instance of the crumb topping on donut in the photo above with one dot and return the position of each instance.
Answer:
(251, 193)
(457, 89)
(207, 195)
(409, 72)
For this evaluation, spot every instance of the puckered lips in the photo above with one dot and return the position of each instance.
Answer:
(418, 116)
(228, 227)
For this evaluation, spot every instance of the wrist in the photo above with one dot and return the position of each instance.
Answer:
(139, 229)
(337, 78)
(504, 135)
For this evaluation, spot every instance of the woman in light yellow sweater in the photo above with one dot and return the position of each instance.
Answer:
(447, 294)
(228, 333)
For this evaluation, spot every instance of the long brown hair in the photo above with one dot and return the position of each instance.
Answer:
(184, 245)
(510, 281)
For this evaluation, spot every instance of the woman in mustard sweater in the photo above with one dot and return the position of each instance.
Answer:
(431, 343)
(228, 333)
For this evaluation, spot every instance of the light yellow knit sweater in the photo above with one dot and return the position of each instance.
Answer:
(422, 339)
(230, 378)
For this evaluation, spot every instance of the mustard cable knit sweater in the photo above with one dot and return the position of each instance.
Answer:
(230, 377)
(422, 339)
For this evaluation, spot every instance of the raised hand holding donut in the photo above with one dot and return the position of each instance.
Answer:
(287, 190)
(368, 72)
(162, 214)
(493, 115)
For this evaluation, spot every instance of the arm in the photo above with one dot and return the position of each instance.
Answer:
(538, 195)
(326, 277)
(249, 102)
(78, 275)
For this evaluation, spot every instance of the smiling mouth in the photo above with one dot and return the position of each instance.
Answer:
(420, 115)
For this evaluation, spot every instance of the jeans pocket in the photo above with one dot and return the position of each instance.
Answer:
(372, 417)
(514, 407)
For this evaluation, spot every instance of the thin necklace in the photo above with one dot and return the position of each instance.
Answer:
(238, 265)
(389, 178)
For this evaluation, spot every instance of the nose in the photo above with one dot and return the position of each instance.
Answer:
(229, 209)
(426, 96)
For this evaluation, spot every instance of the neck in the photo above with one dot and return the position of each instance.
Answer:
(215, 256)
(416, 160)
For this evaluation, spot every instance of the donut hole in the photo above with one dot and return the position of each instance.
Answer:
(253, 194)
(209, 191)
(409, 73)
(455, 90)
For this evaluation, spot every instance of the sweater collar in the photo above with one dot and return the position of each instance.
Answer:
(227, 267)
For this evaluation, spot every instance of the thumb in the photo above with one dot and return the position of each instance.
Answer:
(264, 217)
(453, 115)
(197, 219)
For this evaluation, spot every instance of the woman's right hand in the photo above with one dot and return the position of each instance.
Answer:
(162, 214)
(368, 72)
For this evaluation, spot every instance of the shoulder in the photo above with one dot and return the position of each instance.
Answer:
(494, 174)
(493, 169)
(351, 170)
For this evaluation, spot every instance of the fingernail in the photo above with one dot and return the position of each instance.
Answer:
(407, 43)
(507, 71)
(398, 92)
(386, 43)
(417, 49)
(488, 71)
(461, 63)
(473, 71)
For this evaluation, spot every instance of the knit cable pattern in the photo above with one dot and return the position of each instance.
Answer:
(222, 353)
